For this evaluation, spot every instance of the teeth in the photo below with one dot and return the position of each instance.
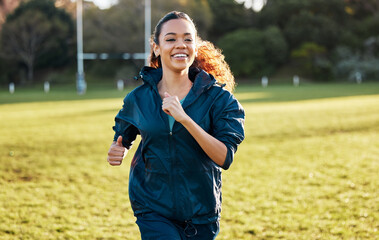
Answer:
(180, 55)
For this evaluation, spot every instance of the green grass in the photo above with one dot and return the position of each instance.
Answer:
(308, 168)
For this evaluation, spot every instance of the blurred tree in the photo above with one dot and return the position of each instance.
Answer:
(317, 21)
(360, 9)
(275, 45)
(366, 28)
(228, 16)
(278, 13)
(114, 30)
(312, 61)
(243, 52)
(24, 39)
(349, 64)
(37, 34)
(6, 7)
(308, 27)
(253, 53)
(306, 24)
(121, 27)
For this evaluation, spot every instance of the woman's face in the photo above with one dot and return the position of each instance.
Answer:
(177, 45)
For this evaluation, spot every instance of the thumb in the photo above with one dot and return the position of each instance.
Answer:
(119, 141)
(166, 94)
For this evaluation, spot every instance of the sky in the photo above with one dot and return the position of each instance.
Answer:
(255, 4)
(103, 4)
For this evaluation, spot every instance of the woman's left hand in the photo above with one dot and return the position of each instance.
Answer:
(171, 105)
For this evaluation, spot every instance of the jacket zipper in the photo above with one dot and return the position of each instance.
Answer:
(171, 174)
(173, 162)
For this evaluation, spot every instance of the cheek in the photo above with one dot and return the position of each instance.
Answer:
(166, 49)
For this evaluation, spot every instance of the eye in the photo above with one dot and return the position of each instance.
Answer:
(170, 40)
(188, 40)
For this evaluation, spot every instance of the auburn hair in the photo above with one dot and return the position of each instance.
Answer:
(209, 58)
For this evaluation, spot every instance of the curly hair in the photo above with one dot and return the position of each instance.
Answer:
(209, 58)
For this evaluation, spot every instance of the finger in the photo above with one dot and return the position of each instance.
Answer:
(115, 158)
(116, 154)
(166, 94)
(167, 112)
(119, 141)
(165, 109)
(166, 100)
(115, 163)
(116, 148)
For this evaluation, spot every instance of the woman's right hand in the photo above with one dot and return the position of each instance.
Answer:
(116, 152)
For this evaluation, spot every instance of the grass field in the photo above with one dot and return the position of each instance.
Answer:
(308, 168)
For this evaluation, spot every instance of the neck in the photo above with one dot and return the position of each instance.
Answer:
(175, 83)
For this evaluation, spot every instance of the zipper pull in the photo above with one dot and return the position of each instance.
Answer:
(170, 133)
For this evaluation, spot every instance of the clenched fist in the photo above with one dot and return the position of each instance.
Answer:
(116, 152)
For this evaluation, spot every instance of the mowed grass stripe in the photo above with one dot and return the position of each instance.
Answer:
(307, 169)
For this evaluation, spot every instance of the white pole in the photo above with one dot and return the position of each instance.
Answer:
(46, 87)
(264, 81)
(296, 80)
(11, 88)
(358, 77)
(80, 81)
(120, 84)
(147, 30)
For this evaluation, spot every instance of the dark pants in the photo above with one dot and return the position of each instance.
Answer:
(155, 227)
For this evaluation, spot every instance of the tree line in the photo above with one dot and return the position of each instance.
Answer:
(317, 39)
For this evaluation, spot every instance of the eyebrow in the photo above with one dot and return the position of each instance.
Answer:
(172, 33)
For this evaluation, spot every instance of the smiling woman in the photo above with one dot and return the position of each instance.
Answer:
(176, 45)
(190, 127)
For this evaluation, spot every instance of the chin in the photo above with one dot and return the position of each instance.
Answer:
(181, 67)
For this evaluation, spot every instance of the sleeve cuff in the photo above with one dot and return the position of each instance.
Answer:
(228, 159)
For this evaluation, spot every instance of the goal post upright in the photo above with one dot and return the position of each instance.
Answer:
(147, 30)
(80, 80)
(81, 84)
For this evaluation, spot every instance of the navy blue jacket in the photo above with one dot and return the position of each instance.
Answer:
(170, 174)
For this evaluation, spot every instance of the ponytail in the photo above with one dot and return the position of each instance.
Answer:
(210, 59)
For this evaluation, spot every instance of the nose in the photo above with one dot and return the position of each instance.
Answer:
(181, 44)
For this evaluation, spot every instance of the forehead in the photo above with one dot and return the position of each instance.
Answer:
(177, 26)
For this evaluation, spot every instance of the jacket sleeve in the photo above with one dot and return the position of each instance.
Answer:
(124, 123)
(228, 125)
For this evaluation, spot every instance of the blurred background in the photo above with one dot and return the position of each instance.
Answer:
(318, 40)
(307, 169)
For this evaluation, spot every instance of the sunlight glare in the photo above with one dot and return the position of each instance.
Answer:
(256, 5)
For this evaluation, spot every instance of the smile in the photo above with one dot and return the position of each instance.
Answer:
(180, 55)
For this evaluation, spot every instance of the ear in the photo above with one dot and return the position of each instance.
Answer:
(156, 49)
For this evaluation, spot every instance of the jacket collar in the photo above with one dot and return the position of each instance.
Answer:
(202, 81)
